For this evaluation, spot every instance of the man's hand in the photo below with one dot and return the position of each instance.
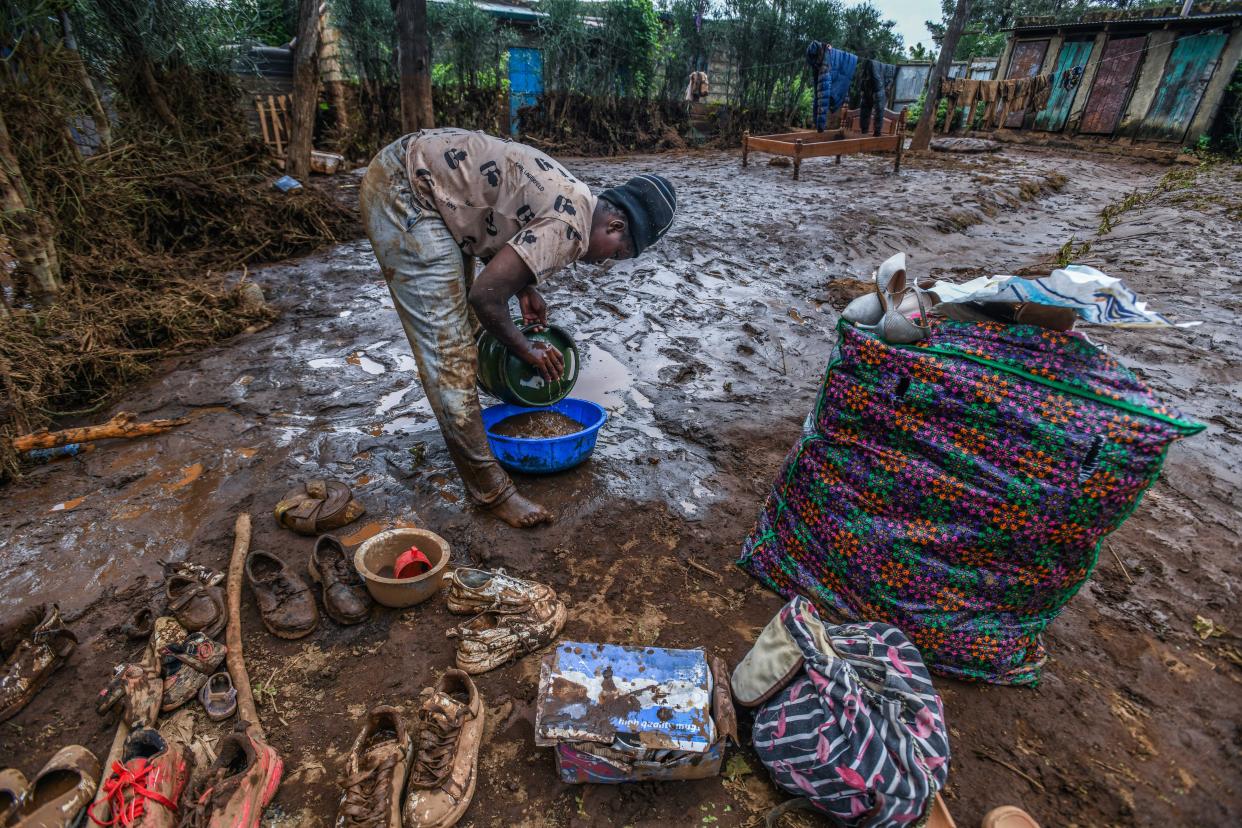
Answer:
(534, 309)
(546, 360)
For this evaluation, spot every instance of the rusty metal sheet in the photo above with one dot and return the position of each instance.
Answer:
(649, 698)
(1111, 88)
(1028, 59)
(1186, 74)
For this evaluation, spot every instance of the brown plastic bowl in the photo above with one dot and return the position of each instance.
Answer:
(382, 550)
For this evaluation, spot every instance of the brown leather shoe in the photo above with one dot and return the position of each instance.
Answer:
(286, 605)
(146, 785)
(32, 661)
(13, 787)
(446, 758)
(62, 789)
(318, 506)
(345, 596)
(375, 773)
(198, 607)
(237, 786)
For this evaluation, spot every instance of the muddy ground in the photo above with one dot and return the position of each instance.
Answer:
(708, 353)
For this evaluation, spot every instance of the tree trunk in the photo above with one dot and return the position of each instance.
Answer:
(922, 132)
(414, 63)
(103, 127)
(31, 237)
(305, 90)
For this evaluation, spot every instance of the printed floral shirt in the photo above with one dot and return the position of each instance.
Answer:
(492, 192)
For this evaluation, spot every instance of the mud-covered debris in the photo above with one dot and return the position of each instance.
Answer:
(1206, 628)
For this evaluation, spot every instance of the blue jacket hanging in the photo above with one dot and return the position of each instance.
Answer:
(833, 84)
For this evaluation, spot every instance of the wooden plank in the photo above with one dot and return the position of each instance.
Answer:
(850, 146)
(1111, 88)
(276, 130)
(1187, 72)
(804, 134)
(1028, 57)
(267, 136)
(765, 145)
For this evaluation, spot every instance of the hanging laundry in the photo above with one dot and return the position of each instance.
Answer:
(1041, 92)
(815, 60)
(834, 82)
(873, 82)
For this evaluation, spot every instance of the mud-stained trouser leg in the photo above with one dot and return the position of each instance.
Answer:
(423, 268)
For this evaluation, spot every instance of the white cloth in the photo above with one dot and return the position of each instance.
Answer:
(1096, 296)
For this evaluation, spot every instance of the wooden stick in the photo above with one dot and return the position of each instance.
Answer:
(1120, 563)
(233, 639)
(982, 754)
(120, 426)
(703, 569)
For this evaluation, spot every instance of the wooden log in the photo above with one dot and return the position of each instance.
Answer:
(122, 426)
(232, 636)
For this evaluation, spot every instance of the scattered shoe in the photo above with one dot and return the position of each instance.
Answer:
(318, 506)
(375, 773)
(166, 630)
(138, 691)
(64, 787)
(238, 785)
(198, 651)
(140, 625)
(197, 607)
(472, 591)
(345, 596)
(1007, 816)
(145, 786)
(286, 605)
(492, 639)
(13, 787)
(446, 754)
(219, 697)
(181, 683)
(39, 650)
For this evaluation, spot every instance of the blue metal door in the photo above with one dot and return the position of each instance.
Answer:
(525, 81)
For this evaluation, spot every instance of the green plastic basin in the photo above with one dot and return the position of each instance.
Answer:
(509, 378)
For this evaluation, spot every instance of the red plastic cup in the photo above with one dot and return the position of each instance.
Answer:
(410, 564)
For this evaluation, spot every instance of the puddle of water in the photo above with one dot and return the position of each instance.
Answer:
(365, 363)
(189, 475)
(390, 400)
(68, 504)
(605, 380)
(418, 417)
(326, 362)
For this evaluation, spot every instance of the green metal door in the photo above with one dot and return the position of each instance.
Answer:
(1052, 117)
(1186, 75)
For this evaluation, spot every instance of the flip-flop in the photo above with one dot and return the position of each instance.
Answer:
(318, 506)
(219, 697)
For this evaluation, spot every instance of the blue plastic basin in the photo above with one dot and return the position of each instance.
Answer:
(544, 455)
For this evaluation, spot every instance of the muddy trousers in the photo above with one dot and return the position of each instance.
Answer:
(423, 267)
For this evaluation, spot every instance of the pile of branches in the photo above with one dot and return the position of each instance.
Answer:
(116, 244)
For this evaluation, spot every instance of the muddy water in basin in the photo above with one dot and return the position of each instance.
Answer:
(537, 424)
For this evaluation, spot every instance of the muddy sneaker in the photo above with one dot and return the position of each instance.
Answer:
(492, 639)
(137, 691)
(181, 683)
(196, 606)
(145, 786)
(472, 591)
(345, 596)
(446, 753)
(64, 787)
(13, 787)
(375, 773)
(237, 786)
(197, 651)
(32, 660)
(286, 605)
(165, 631)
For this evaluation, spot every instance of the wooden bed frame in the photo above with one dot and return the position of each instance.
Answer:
(810, 143)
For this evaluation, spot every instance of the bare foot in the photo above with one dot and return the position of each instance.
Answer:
(521, 513)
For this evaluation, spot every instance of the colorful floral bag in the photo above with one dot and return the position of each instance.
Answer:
(847, 718)
(959, 489)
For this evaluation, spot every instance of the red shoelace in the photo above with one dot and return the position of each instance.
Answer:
(133, 782)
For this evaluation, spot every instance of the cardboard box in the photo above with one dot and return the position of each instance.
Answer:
(633, 714)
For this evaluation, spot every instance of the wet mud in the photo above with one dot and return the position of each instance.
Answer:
(707, 353)
(537, 424)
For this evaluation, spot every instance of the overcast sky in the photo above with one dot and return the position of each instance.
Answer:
(910, 16)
